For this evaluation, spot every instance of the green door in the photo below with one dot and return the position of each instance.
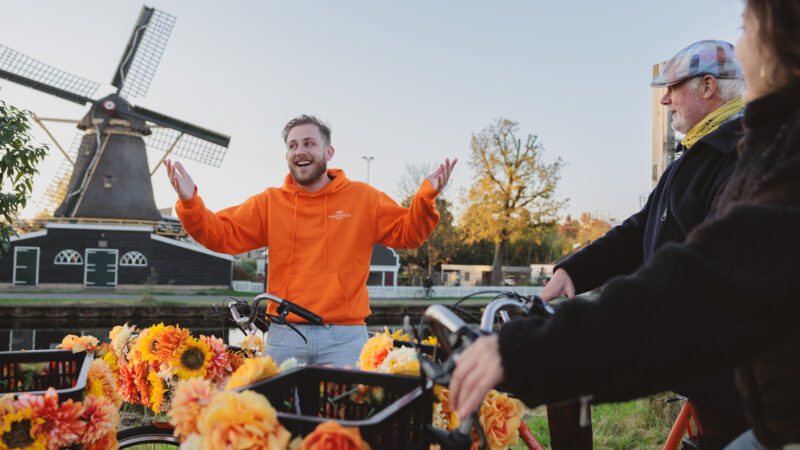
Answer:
(26, 266)
(101, 267)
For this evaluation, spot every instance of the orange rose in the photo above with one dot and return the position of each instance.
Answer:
(500, 417)
(332, 436)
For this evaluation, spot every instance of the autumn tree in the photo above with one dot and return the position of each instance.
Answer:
(442, 245)
(583, 231)
(17, 167)
(514, 188)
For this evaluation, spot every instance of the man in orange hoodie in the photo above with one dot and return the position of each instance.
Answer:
(320, 228)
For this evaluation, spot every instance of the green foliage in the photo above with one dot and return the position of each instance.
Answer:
(440, 247)
(17, 167)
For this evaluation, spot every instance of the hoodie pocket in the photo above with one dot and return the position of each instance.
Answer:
(320, 293)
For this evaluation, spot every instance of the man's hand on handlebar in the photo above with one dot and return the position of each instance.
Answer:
(479, 368)
(560, 284)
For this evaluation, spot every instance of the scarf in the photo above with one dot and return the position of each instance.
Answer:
(712, 121)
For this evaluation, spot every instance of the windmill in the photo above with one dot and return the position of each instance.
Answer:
(105, 173)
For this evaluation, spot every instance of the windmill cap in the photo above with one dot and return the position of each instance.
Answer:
(708, 57)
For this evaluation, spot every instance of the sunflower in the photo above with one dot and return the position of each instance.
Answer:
(148, 342)
(253, 370)
(157, 391)
(21, 430)
(191, 359)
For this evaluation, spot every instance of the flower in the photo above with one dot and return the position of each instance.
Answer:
(170, 341)
(140, 371)
(101, 381)
(374, 351)
(431, 340)
(240, 420)
(500, 416)
(220, 365)
(443, 416)
(79, 343)
(157, 390)
(6, 405)
(62, 424)
(193, 442)
(122, 337)
(398, 334)
(191, 359)
(106, 442)
(191, 396)
(253, 370)
(288, 365)
(331, 435)
(148, 343)
(252, 343)
(101, 417)
(127, 384)
(401, 361)
(22, 430)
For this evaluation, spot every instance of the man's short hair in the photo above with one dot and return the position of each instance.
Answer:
(727, 89)
(304, 119)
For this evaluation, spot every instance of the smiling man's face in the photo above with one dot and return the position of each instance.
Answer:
(308, 154)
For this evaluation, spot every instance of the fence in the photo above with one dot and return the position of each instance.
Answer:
(410, 291)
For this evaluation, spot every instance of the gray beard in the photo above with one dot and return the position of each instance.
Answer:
(319, 169)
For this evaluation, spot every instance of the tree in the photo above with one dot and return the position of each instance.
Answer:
(17, 167)
(584, 231)
(442, 245)
(514, 188)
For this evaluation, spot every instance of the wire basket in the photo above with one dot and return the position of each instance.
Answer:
(34, 371)
(311, 395)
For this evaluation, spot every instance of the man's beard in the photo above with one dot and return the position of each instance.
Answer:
(317, 170)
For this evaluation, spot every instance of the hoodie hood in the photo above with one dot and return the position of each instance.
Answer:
(338, 182)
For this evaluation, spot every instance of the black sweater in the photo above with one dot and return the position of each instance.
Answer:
(728, 297)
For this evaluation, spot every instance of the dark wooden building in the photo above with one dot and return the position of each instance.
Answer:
(104, 255)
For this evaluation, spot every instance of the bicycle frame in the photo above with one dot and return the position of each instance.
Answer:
(686, 423)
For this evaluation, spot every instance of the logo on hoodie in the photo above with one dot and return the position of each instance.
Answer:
(340, 214)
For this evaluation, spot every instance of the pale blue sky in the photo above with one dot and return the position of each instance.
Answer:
(401, 81)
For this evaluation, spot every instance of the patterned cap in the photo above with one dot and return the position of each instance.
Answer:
(701, 58)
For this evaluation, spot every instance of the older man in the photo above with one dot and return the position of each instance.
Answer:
(704, 85)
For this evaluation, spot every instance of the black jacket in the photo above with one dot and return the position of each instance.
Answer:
(681, 200)
(728, 297)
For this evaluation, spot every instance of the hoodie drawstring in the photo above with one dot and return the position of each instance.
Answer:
(291, 247)
(325, 237)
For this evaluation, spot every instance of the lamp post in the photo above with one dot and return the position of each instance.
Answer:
(368, 159)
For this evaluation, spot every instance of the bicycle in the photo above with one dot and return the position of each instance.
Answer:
(245, 316)
(426, 293)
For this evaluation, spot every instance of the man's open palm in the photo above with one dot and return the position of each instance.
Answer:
(180, 180)
(440, 176)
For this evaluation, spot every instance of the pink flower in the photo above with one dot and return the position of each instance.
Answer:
(101, 418)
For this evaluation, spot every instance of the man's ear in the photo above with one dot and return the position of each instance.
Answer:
(709, 87)
(329, 153)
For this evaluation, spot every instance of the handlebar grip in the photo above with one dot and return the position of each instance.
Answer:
(302, 312)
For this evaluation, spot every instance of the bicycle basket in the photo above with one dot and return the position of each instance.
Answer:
(320, 394)
(34, 371)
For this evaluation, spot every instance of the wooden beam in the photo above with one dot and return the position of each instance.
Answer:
(661, 131)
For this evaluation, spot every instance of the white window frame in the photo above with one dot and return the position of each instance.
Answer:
(135, 256)
(64, 252)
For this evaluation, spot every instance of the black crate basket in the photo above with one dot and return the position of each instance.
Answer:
(303, 401)
(63, 370)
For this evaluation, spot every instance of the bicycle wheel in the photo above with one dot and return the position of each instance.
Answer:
(419, 293)
(148, 437)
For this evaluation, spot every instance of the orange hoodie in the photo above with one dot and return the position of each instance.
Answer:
(320, 244)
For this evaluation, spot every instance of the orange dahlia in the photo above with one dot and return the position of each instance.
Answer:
(253, 370)
(127, 384)
(191, 396)
(62, 424)
(79, 343)
(374, 351)
(106, 442)
(220, 365)
(330, 435)
(242, 420)
(101, 417)
(170, 341)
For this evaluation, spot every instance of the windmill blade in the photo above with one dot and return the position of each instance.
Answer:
(184, 127)
(143, 53)
(24, 70)
(175, 143)
(57, 188)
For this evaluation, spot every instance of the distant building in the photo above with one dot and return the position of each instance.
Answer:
(383, 266)
(481, 275)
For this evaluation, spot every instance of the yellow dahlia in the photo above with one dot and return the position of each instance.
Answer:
(253, 371)
(398, 334)
(191, 397)
(431, 340)
(242, 420)
(374, 351)
(148, 342)
(157, 390)
(191, 359)
(22, 430)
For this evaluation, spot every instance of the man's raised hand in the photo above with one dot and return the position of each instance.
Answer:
(440, 176)
(180, 179)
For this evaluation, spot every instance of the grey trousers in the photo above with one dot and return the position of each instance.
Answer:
(334, 345)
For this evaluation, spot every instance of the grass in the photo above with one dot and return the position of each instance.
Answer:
(638, 424)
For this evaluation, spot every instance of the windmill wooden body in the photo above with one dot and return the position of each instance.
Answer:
(104, 187)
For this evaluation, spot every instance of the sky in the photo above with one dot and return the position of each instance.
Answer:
(403, 82)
